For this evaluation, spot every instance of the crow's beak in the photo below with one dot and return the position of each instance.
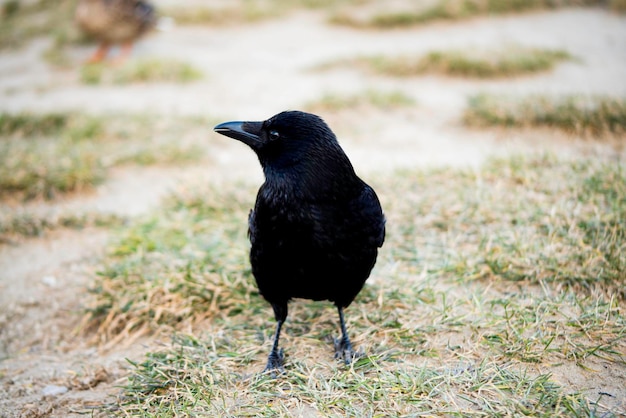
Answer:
(247, 132)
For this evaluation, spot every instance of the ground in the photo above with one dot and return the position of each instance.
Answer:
(252, 72)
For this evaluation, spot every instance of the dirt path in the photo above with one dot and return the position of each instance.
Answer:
(254, 72)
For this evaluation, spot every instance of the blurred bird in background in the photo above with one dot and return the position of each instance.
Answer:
(316, 226)
(113, 22)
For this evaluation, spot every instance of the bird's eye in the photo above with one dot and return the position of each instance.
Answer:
(274, 135)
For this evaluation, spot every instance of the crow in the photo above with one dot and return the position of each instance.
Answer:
(316, 227)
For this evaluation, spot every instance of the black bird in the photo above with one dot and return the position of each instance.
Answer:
(316, 227)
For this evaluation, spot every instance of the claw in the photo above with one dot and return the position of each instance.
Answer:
(275, 364)
(345, 352)
(343, 346)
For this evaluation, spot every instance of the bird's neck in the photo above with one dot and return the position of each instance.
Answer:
(311, 182)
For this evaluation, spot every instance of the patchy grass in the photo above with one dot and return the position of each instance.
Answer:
(42, 159)
(56, 54)
(50, 154)
(504, 63)
(194, 378)
(375, 98)
(219, 16)
(21, 21)
(595, 116)
(417, 13)
(141, 71)
(541, 238)
(248, 11)
(188, 262)
(512, 61)
(487, 277)
(25, 224)
(23, 124)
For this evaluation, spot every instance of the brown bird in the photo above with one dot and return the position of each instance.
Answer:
(114, 22)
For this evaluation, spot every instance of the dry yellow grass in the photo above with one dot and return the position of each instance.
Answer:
(516, 267)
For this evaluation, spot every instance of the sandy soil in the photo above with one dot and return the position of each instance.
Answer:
(252, 73)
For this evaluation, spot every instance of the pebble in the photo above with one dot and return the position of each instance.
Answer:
(50, 281)
(54, 390)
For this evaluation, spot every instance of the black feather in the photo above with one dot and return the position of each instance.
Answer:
(316, 226)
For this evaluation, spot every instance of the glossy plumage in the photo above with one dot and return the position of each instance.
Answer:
(316, 226)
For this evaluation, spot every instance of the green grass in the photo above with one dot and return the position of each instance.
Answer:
(580, 115)
(141, 71)
(25, 224)
(417, 13)
(218, 16)
(512, 61)
(29, 124)
(530, 234)
(186, 261)
(249, 11)
(193, 378)
(485, 275)
(504, 63)
(378, 99)
(44, 155)
(21, 21)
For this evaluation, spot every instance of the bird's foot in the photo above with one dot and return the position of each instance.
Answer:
(275, 364)
(99, 54)
(124, 54)
(94, 60)
(345, 352)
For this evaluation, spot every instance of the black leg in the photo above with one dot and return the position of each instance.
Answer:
(275, 359)
(343, 346)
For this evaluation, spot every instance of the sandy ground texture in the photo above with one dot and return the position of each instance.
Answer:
(253, 72)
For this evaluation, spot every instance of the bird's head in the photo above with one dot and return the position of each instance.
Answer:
(289, 139)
